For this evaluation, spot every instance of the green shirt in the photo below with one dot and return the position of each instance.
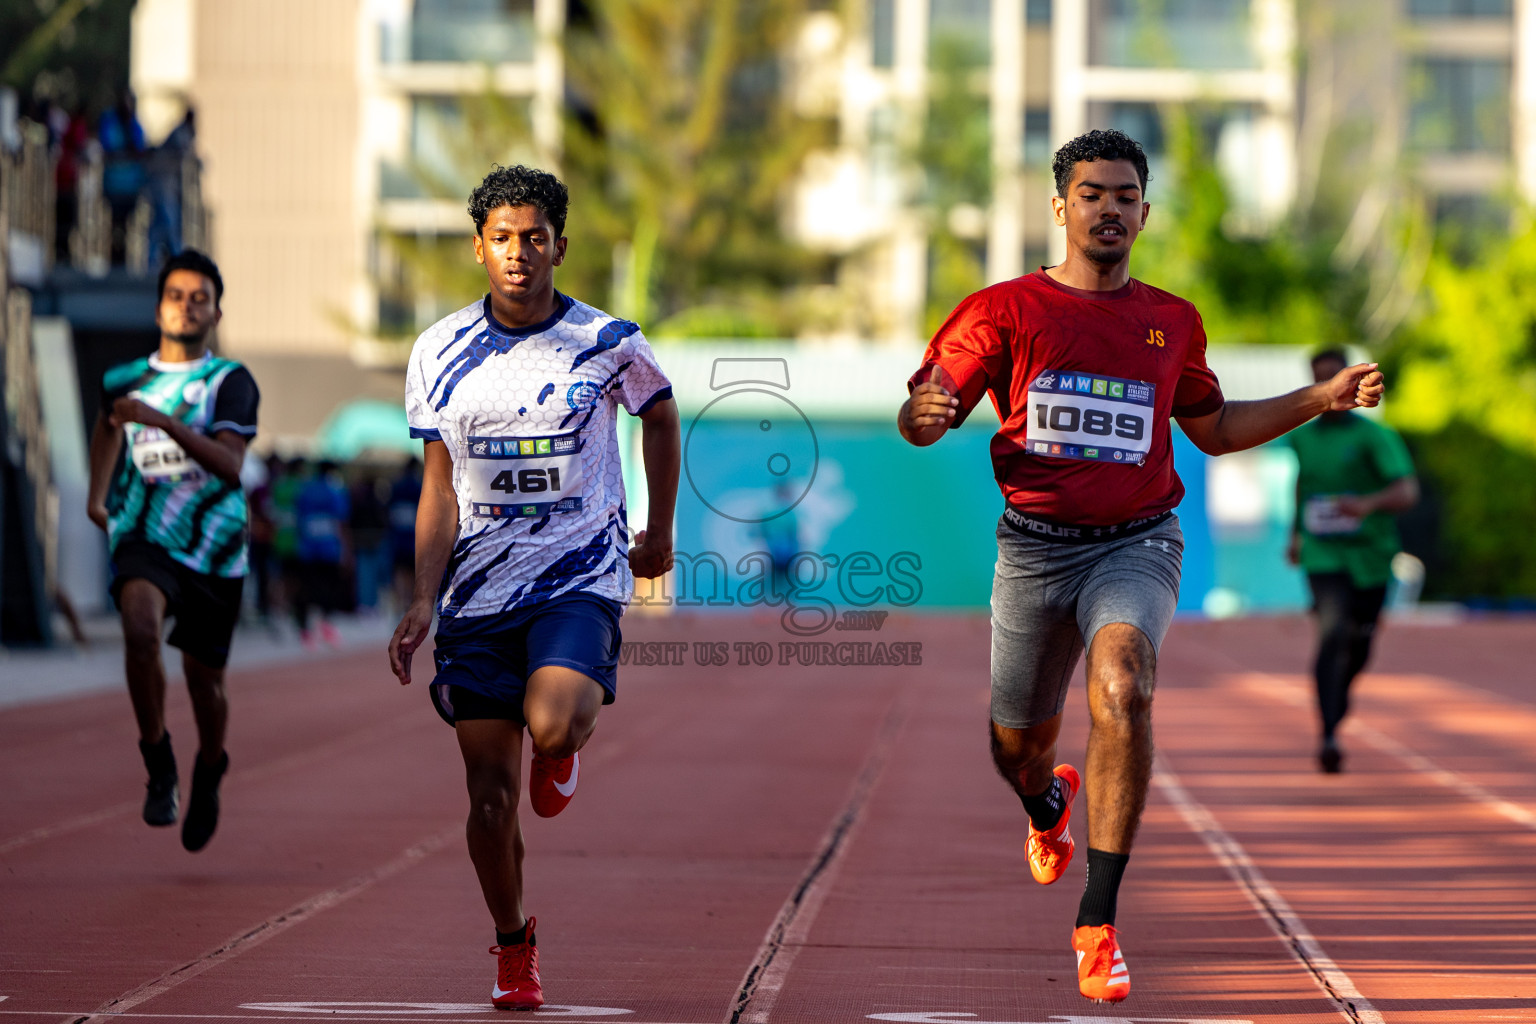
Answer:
(161, 495)
(1348, 454)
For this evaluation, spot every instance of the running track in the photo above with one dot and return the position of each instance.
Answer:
(798, 844)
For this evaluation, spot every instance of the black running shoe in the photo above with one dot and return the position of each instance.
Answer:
(1330, 759)
(203, 808)
(163, 799)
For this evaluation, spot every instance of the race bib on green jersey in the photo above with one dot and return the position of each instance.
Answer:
(514, 477)
(160, 460)
(1321, 517)
(1075, 415)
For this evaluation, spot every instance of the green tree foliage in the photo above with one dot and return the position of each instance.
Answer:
(75, 51)
(955, 154)
(1464, 393)
(680, 150)
(1282, 286)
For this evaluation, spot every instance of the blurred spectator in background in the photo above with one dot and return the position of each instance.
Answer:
(284, 499)
(781, 535)
(404, 495)
(1354, 475)
(370, 538)
(323, 513)
(263, 536)
(123, 177)
(73, 140)
(164, 188)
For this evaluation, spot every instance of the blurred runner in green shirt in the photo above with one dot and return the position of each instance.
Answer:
(1355, 474)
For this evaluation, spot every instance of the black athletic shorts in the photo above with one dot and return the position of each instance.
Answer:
(205, 607)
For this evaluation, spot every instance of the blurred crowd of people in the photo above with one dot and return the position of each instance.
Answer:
(131, 170)
(328, 540)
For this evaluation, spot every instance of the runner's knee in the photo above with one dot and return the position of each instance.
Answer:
(493, 799)
(1121, 688)
(141, 636)
(1014, 748)
(554, 736)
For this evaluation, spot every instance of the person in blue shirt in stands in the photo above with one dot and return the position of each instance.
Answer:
(322, 511)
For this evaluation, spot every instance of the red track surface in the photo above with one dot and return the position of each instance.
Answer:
(850, 815)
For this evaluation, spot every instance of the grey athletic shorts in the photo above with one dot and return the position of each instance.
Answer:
(1049, 599)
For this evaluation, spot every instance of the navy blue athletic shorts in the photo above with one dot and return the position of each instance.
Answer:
(484, 661)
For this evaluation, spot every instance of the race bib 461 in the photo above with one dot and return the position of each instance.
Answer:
(513, 477)
(1075, 415)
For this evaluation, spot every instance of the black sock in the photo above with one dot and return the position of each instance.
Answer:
(516, 938)
(1102, 889)
(158, 758)
(1045, 809)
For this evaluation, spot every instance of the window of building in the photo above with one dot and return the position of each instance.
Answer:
(479, 31)
(1037, 12)
(960, 28)
(1459, 105)
(1037, 137)
(882, 31)
(1198, 34)
(1460, 8)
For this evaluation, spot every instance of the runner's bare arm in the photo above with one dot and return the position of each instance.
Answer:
(106, 440)
(661, 447)
(927, 412)
(221, 455)
(1238, 426)
(437, 525)
(1398, 496)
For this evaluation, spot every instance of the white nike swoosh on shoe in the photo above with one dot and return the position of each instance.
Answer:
(497, 991)
(569, 786)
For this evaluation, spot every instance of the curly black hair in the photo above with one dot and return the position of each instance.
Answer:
(1099, 144)
(191, 259)
(520, 186)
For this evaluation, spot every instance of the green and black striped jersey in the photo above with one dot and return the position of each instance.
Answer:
(161, 494)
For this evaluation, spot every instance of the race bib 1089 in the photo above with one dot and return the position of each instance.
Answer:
(1076, 415)
(513, 477)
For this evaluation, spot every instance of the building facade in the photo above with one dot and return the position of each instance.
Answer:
(330, 131)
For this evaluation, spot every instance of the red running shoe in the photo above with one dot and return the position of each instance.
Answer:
(517, 975)
(1101, 972)
(1050, 852)
(552, 783)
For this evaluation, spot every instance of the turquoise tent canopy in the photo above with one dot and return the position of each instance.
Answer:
(366, 425)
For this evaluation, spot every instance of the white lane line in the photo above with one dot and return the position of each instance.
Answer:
(1277, 688)
(1272, 907)
(765, 978)
(271, 927)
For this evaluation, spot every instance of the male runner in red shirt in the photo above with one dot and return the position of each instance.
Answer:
(1085, 366)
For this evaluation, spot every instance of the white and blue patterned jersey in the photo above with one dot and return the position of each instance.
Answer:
(530, 419)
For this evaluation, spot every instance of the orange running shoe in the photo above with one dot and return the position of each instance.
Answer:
(1101, 972)
(517, 975)
(1050, 852)
(552, 783)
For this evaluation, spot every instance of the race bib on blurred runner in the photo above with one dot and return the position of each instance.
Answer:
(161, 460)
(1076, 415)
(513, 477)
(1321, 517)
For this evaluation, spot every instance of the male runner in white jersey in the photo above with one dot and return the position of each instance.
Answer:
(1085, 367)
(176, 521)
(522, 543)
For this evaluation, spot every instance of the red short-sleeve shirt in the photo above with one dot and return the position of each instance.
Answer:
(1084, 383)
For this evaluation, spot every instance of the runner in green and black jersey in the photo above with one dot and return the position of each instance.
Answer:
(165, 485)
